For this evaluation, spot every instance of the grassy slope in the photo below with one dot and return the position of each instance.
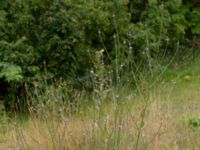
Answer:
(170, 120)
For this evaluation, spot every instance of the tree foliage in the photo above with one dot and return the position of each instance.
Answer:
(53, 39)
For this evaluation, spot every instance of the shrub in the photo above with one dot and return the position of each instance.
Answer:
(52, 40)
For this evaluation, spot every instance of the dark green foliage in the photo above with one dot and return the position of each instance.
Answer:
(192, 14)
(60, 39)
(194, 123)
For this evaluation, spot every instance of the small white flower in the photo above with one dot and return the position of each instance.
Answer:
(92, 72)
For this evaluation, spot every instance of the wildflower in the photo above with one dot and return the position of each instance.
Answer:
(167, 39)
(92, 72)
(130, 47)
(101, 51)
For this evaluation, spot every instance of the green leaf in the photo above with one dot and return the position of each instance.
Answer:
(10, 72)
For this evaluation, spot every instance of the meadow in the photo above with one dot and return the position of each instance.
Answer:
(165, 116)
(95, 75)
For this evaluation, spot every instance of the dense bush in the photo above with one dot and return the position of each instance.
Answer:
(53, 39)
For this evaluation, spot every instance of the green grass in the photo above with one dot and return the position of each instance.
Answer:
(165, 116)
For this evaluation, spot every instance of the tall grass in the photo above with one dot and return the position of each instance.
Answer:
(121, 121)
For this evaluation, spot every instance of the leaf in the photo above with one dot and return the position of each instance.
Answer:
(10, 72)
